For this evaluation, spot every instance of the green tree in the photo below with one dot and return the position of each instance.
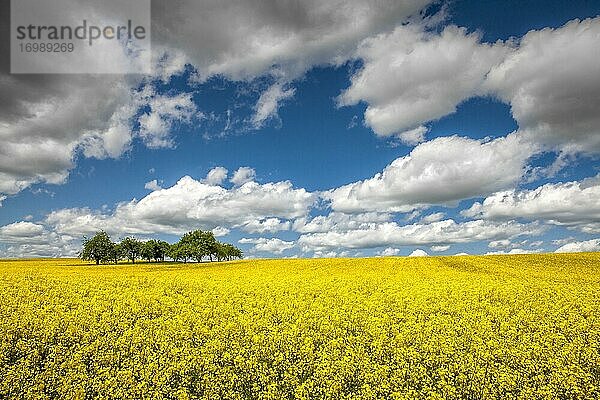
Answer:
(155, 249)
(199, 244)
(210, 244)
(147, 251)
(99, 249)
(226, 251)
(115, 253)
(232, 252)
(193, 245)
(163, 250)
(221, 251)
(130, 248)
(179, 251)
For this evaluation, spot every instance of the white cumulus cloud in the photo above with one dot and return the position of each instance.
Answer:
(442, 171)
(340, 222)
(438, 233)
(243, 175)
(578, 247)
(552, 83)
(270, 225)
(389, 251)
(190, 204)
(272, 245)
(440, 248)
(571, 203)
(412, 76)
(418, 253)
(216, 176)
(152, 185)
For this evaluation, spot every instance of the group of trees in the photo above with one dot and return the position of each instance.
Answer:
(197, 245)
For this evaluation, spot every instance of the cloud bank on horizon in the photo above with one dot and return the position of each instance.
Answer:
(206, 140)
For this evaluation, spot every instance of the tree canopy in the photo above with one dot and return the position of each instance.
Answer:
(99, 248)
(130, 248)
(196, 245)
(155, 250)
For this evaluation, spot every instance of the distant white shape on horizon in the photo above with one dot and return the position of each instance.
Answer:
(418, 253)
(578, 247)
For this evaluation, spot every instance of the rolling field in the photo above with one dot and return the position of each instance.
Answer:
(468, 327)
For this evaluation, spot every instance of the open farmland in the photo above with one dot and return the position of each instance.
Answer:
(523, 326)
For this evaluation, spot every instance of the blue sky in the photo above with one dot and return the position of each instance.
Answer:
(481, 114)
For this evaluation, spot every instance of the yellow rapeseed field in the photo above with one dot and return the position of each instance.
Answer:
(466, 327)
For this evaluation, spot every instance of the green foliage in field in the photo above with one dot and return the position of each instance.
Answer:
(449, 327)
(196, 245)
(99, 248)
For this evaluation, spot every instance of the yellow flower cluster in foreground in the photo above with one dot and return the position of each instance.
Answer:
(448, 327)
